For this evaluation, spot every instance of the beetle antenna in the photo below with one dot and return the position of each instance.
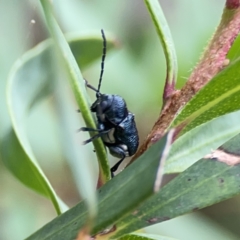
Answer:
(103, 59)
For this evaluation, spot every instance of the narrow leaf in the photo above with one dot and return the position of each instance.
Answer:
(220, 96)
(205, 183)
(198, 142)
(160, 170)
(32, 78)
(232, 146)
(22, 93)
(165, 37)
(112, 202)
(78, 86)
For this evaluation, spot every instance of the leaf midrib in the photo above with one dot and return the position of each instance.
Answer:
(207, 107)
(174, 198)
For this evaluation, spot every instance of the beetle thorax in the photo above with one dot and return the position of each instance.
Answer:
(111, 108)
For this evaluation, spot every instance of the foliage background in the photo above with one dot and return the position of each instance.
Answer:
(135, 71)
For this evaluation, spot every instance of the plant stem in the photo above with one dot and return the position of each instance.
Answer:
(212, 62)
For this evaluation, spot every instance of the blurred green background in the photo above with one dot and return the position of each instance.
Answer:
(135, 71)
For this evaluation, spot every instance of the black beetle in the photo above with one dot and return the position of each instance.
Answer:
(116, 125)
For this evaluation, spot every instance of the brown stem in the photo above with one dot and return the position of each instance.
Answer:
(212, 61)
(231, 4)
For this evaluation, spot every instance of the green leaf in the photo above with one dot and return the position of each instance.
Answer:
(17, 161)
(234, 52)
(198, 142)
(128, 203)
(112, 196)
(220, 96)
(165, 37)
(232, 146)
(78, 87)
(27, 84)
(32, 78)
(144, 236)
(205, 183)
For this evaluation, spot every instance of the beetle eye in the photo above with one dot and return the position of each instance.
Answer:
(104, 105)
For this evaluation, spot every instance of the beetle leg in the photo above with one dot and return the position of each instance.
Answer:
(86, 129)
(96, 136)
(115, 167)
(116, 151)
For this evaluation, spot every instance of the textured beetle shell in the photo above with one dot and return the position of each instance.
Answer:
(126, 133)
(110, 109)
(112, 113)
